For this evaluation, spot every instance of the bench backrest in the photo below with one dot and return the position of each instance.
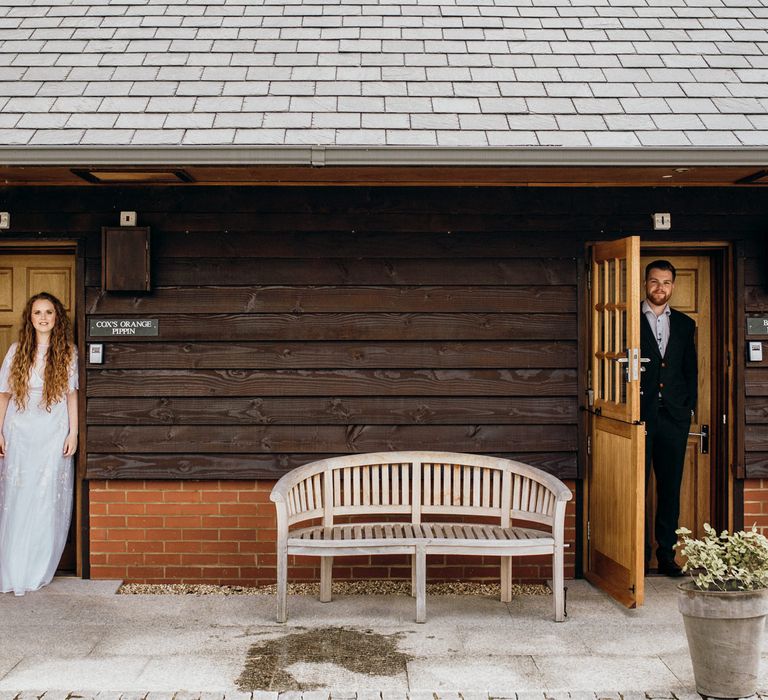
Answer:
(414, 484)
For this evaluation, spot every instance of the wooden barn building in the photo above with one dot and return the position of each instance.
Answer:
(288, 230)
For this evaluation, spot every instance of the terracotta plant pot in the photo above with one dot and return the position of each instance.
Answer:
(725, 635)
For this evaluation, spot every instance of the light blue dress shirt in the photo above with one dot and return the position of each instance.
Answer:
(659, 325)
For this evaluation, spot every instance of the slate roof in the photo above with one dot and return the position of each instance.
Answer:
(473, 73)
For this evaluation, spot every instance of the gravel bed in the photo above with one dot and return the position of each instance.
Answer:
(339, 588)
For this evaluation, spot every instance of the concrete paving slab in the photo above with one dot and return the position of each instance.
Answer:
(473, 695)
(114, 673)
(491, 674)
(325, 695)
(9, 659)
(430, 640)
(78, 634)
(586, 672)
(166, 640)
(332, 677)
(646, 639)
(56, 695)
(393, 695)
(72, 641)
(214, 672)
(522, 636)
(368, 695)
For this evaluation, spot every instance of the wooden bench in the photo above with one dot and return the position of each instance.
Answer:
(517, 510)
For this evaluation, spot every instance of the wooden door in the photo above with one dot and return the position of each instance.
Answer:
(692, 295)
(21, 276)
(616, 471)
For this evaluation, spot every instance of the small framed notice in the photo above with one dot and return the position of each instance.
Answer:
(116, 327)
(757, 325)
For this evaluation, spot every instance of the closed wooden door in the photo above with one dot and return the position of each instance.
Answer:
(21, 276)
(616, 472)
(693, 296)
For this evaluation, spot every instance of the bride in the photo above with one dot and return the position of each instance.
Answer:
(38, 413)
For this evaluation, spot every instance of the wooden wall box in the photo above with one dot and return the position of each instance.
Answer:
(125, 259)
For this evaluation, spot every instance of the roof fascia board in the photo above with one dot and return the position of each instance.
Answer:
(318, 156)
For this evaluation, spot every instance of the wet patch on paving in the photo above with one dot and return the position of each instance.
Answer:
(365, 652)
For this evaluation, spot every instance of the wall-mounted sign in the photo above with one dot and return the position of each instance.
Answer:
(757, 325)
(123, 326)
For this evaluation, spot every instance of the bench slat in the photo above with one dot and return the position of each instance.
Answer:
(396, 496)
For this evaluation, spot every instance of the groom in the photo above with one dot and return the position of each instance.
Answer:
(668, 400)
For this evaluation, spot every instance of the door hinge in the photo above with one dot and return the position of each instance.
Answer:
(725, 419)
(632, 589)
(589, 534)
(589, 444)
(589, 276)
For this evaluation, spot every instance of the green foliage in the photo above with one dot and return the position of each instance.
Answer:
(725, 562)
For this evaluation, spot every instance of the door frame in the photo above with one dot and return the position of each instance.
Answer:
(76, 247)
(725, 487)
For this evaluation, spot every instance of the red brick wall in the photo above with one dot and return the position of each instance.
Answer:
(224, 532)
(756, 504)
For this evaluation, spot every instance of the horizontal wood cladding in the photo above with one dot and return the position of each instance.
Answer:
(340, 354)
(757, 380)
(351, 326)
(328, 438)
(755, 385)
(350, 298)
(367, 410)
(277, 348)
(522, 382)
(240, 271)
(381, 243)
(252, 465)
(302, 322)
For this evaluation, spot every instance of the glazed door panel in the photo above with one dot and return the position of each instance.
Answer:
(616, 473)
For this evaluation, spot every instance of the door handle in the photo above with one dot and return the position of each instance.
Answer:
(703, 439)
(632, 362)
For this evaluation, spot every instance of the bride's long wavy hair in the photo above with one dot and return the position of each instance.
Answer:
(57, 360)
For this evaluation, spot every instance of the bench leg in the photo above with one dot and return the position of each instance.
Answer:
(506, 579)
(414, 584)
(326, 578)
(558, 584)
(421, 583)
(282, 585)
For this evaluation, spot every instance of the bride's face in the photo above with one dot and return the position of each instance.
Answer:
(43, 316)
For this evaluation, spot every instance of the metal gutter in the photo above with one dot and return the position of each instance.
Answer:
(329, 156)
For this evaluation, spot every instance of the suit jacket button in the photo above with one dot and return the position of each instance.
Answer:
(663, 364)
(661, 386)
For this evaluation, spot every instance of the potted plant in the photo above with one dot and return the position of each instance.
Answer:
(724, 606)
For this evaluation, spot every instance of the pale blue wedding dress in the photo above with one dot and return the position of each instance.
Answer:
(35, 484)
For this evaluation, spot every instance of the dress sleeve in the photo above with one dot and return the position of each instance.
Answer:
(5, 370)
(73, 382)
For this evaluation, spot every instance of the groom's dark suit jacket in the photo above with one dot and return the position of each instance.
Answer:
(675, 375)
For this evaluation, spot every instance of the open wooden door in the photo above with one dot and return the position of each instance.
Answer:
(616, 471)
(23, 274)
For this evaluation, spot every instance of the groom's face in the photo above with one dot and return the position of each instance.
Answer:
(659, 285)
